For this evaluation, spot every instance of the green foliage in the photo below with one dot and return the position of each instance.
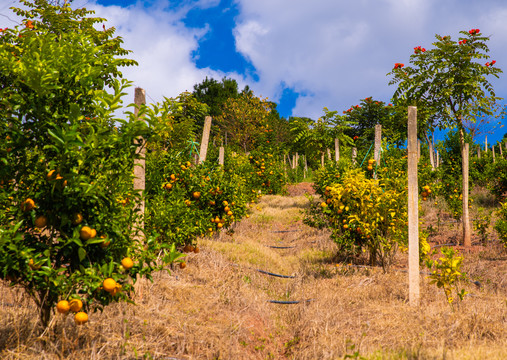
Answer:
(215, 94)
(66, 168)
(449, 79)
(370, 113)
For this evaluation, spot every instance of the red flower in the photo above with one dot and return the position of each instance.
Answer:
(419, 49)
(356, 137)
(398, 65)
(493, 62)
(487, 64)
(474, 31)
(390, 105)
(29, 24)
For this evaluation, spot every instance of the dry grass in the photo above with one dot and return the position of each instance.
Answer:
(217, 308)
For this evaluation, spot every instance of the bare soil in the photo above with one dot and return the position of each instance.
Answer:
(219, 307)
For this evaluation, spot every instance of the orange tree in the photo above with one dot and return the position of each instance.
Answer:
(451, 80)
(241, 121)
(68, 203)
(185, 201)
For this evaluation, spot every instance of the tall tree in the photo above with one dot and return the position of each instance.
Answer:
(451, 79)
(242, 120)
(215, 93)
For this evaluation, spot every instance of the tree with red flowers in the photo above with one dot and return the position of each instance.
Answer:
(450, 83)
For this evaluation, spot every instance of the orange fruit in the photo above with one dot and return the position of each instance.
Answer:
(41, 221)
(51, 175)
(33, 265)
(109, 285)
(196, 249)
(80, 318)
(28, 205)
(219, 225)
(227, 209)
(229, 213)
(77, 219)
(225, 203)
(63, 307)
(196, 195)
(183, 265)
(323, 204)
(168, 186)
(75, 305)
(87, 233)
(127, 263)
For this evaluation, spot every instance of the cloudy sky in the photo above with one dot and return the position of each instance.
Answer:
(302, 54)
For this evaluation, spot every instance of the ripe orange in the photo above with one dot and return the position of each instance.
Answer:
(77, 219)
(51, 175)
(87, 233)
(196, 249)
(168, 186)
(183, 265)
(28, 205)
(41, 221)
(229, 213)
(227, 209)
(80, 318)
(219, 225)
(127, 263)
(323, 204)
(109, 285)
(63, 306)
(33, 265)
(196, 195)
(75, 305)
(225, 203)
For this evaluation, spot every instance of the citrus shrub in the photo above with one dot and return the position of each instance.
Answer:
(187, 201)
(68, 203)
(367, 217)
(266, 173)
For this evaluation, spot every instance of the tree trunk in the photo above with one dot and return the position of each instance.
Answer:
(467, 239)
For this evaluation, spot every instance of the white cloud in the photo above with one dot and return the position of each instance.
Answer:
(340, 51)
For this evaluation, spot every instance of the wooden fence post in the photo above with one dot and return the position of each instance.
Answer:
(413, 211)
(205, 139)
(221, 155)
(467, 237)
(378, 144)
(140, 164)
(139, 179)
(336, 150)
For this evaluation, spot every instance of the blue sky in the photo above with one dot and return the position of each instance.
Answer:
(302, 54)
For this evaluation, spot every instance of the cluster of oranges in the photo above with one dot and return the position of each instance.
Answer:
(426, 192)
(76, 305)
